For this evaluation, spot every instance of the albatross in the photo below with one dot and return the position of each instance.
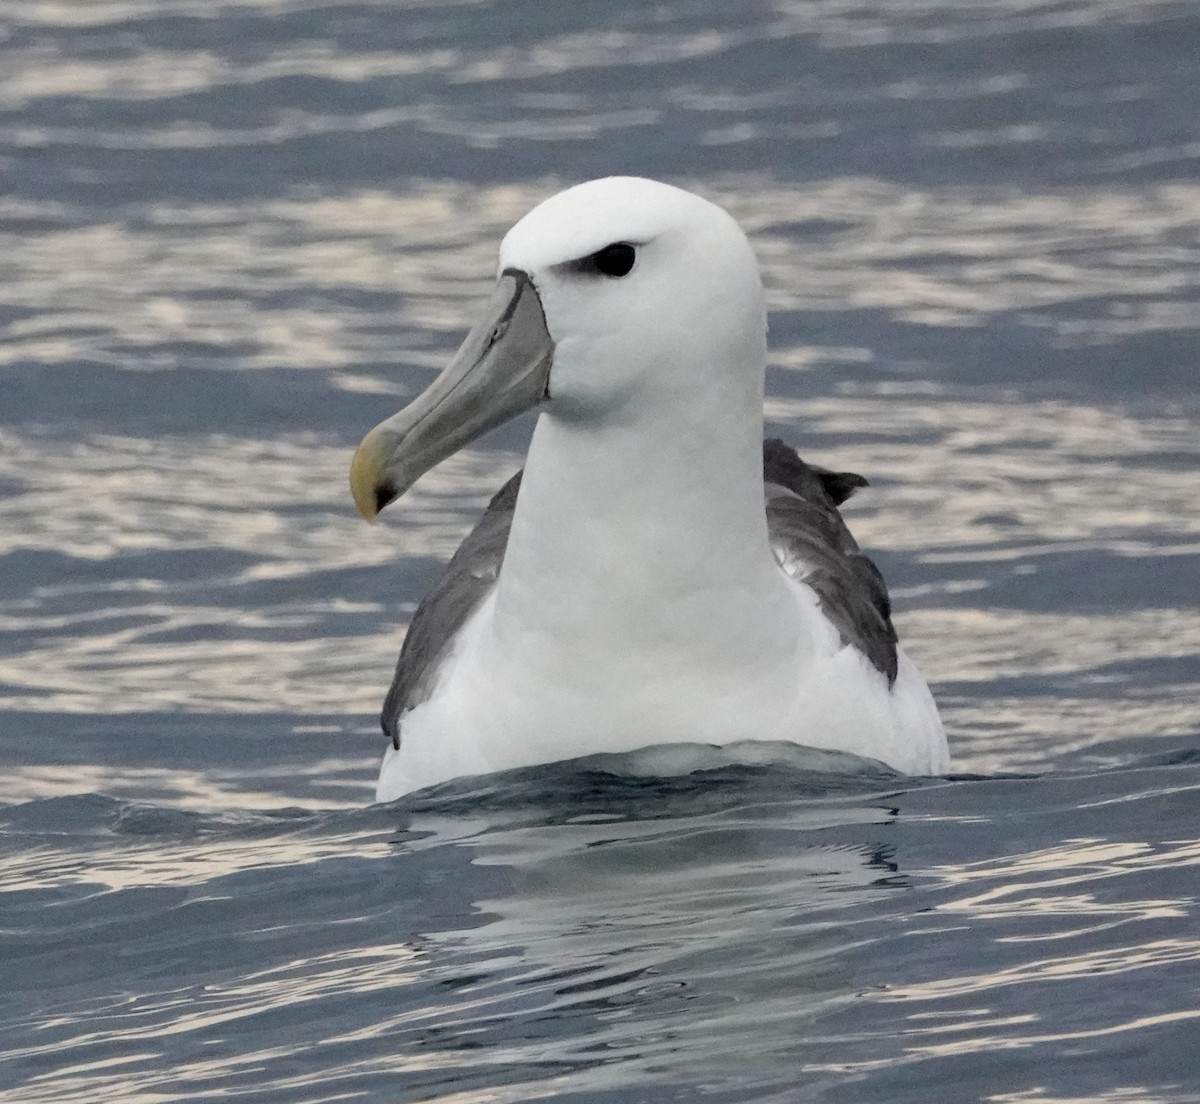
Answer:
(657, 574)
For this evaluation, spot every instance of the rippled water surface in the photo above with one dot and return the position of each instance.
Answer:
(235, 235)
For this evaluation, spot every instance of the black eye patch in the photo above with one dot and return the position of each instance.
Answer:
(614, 260)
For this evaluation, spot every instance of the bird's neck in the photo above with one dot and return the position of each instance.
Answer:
(649, 539)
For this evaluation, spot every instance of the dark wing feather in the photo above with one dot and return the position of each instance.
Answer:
(812, 542)
(805, 527)
(471, 573)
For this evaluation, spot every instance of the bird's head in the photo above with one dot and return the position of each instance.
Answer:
(617, 298)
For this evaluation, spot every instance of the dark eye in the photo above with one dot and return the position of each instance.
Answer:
(614, 260)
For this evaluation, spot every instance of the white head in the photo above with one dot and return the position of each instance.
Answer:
(690, 307)
(620, 299)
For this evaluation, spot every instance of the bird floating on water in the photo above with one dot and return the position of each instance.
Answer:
(656, 574)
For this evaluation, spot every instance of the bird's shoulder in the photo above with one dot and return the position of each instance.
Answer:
(469, 576)
(808, 536)
(813, 545)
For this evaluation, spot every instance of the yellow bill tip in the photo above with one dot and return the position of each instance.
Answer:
(368, 482)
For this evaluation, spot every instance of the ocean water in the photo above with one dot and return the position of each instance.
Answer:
(234, 235)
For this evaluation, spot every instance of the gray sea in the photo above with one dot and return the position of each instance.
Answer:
(234, 234)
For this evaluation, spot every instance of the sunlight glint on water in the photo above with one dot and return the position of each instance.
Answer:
(236, 235)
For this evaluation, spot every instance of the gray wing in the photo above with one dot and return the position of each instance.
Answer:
(471, 573)
(812, 544)
(807, 533)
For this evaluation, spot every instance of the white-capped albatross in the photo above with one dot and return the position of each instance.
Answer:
(633, 586)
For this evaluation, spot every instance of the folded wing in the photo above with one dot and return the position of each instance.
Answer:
(808, 536)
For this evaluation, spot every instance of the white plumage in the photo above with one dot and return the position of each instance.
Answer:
(640, 599)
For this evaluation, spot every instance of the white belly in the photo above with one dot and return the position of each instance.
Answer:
(498, 707)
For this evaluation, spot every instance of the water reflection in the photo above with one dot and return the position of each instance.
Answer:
(563, 938)
(552, 930)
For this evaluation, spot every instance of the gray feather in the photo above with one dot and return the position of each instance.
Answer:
(812, 542)
(807, 533)
(471, 573)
